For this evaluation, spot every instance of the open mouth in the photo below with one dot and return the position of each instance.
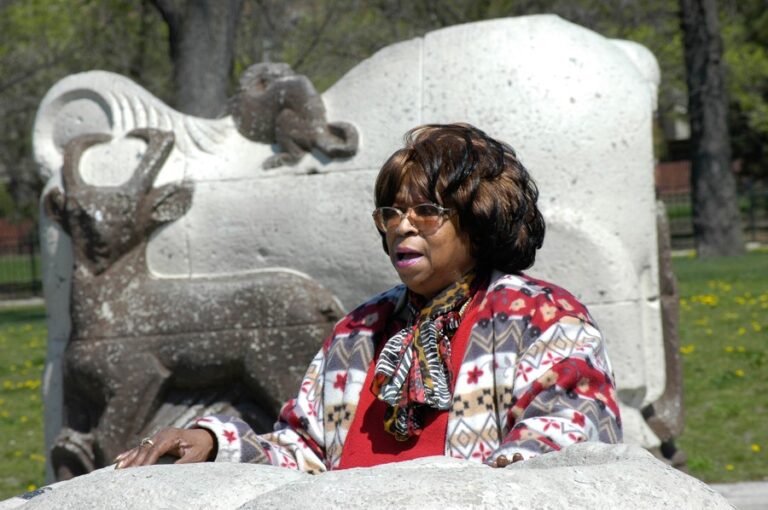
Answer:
(405, 257)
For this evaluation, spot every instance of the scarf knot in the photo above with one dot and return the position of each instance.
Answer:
(413, 369)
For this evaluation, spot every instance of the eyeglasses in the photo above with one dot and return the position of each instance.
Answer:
(426, 218)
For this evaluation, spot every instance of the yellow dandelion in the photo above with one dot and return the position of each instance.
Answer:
(32, 384)
(31, 487)
(740, 300)
(755, 448)
(728, 348)
(687, 349)
(4, 414)
(23, 419)
(17, 453)
(739, 372)
(7, 385)
(756, 326)
(741, 348)
(742, 331)
(729, 467)
(36, 457)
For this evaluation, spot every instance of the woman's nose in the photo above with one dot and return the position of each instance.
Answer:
(405, 226)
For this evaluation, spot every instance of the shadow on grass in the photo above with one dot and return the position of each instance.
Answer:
(11, 316)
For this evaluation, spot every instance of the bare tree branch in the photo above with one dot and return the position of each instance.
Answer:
(316, 37)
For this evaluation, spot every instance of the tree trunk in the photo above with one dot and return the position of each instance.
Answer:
(202, 40)
(716, 219)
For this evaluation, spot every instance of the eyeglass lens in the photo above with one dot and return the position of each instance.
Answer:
(424, 217)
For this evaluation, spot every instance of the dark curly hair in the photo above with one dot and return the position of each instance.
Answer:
(460, 167)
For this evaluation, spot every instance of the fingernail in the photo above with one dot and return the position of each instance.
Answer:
(117, 466)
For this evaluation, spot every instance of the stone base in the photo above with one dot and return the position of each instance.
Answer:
(588, 475)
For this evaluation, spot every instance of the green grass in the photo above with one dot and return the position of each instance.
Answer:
(724, 346)
(18, 268)
(723, 334)
(22, 355)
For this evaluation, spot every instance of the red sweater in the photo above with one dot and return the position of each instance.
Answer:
(368, 444)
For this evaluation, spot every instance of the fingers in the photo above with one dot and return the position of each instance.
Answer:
(166, 441)
(189, 445)
(503, 461)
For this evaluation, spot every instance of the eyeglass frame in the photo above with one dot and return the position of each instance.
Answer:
(442, 212)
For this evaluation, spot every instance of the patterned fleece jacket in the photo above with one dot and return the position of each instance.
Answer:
(535, 378)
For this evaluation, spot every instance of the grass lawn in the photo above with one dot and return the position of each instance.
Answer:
(22, 355)
(723, 334)
(724, 346)
(19, 268)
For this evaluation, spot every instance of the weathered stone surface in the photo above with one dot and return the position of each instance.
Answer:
(576, 106)
(587, 475)
(584, 476)
(140, 346)
(203, 486)
(274, 104)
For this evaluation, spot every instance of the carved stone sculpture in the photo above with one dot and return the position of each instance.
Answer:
(276, 105)
(666, 416)
(577, 107)
(141, 344)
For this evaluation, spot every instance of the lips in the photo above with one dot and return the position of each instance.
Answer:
(406, 257)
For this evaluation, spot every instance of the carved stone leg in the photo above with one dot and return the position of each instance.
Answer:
(292, 136)
(139, 382)
(72, 454)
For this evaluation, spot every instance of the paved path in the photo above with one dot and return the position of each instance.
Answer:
(745, 495)
(19, 303)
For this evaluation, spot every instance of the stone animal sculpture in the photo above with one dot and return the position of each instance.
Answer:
(141, 345)
(275, 105)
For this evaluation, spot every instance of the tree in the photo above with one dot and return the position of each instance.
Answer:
(716, 220)
(42, 41)
(201, 37)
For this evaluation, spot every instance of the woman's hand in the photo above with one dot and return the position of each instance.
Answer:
(502, 461)
(189, 445)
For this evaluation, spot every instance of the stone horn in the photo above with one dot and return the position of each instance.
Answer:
(159, 146)
(73, 151)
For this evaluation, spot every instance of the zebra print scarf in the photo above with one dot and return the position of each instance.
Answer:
(413, 370)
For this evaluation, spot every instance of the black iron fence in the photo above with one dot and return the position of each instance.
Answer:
(753, 205)
(20, 266)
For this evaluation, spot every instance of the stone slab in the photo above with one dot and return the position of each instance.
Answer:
(587, 475)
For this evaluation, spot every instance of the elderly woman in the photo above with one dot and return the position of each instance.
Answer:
(468, 358)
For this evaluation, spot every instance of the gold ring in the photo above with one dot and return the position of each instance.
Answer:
(147, 441)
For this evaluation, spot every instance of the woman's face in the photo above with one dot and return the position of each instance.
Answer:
(428, 263)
